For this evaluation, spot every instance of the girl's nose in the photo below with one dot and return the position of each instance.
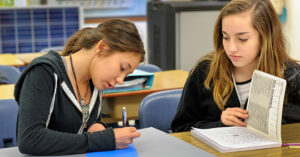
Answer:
(120, 79)
(233, 47)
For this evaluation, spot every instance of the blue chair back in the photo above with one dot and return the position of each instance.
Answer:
(8, 122)
(149, 68)
(158, 109)
(12, 74)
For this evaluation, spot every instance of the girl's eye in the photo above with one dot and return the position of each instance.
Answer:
(122, 69)
(225, 38)
(243, 40)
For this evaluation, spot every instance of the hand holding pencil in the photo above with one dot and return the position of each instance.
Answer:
(124, 136)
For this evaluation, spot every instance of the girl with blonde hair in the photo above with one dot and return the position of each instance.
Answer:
(247, 36)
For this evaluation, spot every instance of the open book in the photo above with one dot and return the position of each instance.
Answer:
(263, 129)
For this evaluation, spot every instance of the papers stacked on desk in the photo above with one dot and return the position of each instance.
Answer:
(138, 80)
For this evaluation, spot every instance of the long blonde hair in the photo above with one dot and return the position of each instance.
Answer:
(272, 55)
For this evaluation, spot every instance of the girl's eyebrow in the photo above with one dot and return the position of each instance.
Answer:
(241, 33)
(129, 65)
(224, 32)
(237, 34)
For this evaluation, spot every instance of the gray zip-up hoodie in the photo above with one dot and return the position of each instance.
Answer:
(50, 118)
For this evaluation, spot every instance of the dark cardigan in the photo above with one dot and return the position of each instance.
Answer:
(198, 109)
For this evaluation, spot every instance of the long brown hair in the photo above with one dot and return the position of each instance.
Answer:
(272, 55)
(120, 35)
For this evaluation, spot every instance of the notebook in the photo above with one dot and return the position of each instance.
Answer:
(138, 80)
(263, 129)
(128, 152)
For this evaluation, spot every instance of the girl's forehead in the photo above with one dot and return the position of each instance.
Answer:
(237, 23)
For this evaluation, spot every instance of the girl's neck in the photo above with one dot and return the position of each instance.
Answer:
(81, 63)
(243, 74)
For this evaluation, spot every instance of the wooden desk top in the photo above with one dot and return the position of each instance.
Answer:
(7, 91)
(171, 79)
(28, 57)
(290, 133)
(10, 60)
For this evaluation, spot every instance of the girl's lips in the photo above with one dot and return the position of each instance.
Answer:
(235, 57)
(107, 85)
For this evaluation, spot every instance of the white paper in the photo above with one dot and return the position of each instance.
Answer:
(235, 137)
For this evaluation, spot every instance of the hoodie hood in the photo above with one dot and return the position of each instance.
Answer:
(51, 59)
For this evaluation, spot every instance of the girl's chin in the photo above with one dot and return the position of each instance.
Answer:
(101, 87)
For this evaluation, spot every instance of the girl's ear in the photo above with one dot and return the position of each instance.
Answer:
(102, 46)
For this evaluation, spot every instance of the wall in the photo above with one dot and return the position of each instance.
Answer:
(291, 27)
(194, 37)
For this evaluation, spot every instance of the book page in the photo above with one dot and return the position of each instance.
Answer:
(235, 137)
(265, 104)
(263, 129)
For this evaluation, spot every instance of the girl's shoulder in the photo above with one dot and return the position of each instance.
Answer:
(203, 66)
(292, 69)
(200, 70)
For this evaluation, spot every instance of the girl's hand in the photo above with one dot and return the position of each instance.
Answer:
(96, 127)
(124, 136)
(234, 116)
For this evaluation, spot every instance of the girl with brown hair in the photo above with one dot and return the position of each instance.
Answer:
(60, 96)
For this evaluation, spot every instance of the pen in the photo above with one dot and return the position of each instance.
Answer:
(291, 144)
(124, 116)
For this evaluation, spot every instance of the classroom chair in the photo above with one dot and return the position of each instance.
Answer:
(149, 68)
(158, 109)
(9, 74)
(8, 122)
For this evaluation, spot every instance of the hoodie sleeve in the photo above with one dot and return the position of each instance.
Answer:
(291, 107)
(34, 95)
(195, 105)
